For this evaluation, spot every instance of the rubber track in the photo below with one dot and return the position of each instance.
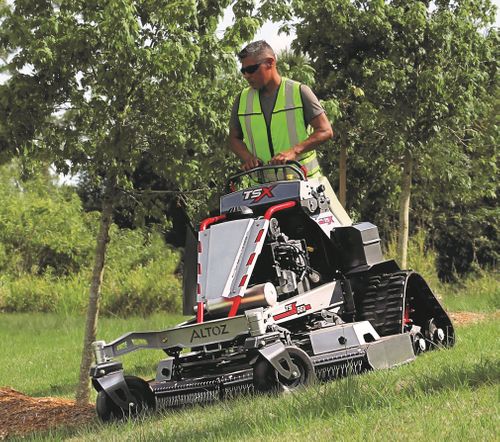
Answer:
(382, 302)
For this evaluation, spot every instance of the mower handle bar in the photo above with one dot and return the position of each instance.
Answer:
(293, 165)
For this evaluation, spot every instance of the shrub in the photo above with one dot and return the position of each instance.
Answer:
(139, 280)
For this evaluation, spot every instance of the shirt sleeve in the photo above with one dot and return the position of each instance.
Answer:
(312, 106)
(234, 121)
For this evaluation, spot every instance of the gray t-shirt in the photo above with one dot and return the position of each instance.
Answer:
(312, 108)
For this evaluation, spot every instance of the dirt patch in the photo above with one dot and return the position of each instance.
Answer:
(461, 318)
(21, 414)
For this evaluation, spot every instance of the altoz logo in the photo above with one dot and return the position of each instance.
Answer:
(209, 332)
(292, 309)
(258, 194)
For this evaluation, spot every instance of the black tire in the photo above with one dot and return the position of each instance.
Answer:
(143, 399)
(268, 380)
(106, 409)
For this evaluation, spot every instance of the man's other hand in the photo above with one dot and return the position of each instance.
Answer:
(251, 163)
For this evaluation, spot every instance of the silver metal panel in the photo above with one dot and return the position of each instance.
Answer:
(241, 267)
(390, 351)
(222, 246)
(341, 337)
(305, 303)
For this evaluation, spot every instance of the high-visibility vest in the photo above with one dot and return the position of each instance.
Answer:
(287, 127)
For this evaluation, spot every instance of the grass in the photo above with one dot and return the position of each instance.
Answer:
(480, 293)
(443, 395)
(48, 348)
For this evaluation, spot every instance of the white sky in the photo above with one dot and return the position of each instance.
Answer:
(268, 32)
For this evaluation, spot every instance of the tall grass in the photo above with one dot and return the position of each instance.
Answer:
(477, 292)
(420, 257)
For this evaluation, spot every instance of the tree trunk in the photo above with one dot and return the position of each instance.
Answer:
(404, 210)
(83, 389)
(343, 176)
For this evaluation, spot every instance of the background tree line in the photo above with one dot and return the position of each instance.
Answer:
(134, 96)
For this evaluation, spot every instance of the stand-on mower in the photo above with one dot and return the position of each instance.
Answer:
(282, 294)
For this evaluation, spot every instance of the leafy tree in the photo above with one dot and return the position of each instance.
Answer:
(296, 66)
(96, 85)
(408, 78)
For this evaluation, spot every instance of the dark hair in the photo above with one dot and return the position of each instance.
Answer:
(257, 48)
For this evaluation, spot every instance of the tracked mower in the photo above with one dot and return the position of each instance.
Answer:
(283, 290)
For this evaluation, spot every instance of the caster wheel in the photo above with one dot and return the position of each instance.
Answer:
(142, 399)
(268, 380)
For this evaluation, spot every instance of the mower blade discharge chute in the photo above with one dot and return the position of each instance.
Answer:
(284, 290)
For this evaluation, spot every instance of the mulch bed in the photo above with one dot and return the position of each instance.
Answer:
(21, 414)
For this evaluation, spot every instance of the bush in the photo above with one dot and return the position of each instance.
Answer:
(467, 240)
(138, 279)
(42, 226)
(144, 291)
(47, 245)
(31, 293)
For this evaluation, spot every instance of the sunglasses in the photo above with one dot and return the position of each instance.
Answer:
(251, 69)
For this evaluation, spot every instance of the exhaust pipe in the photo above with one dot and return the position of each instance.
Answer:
(260, 295)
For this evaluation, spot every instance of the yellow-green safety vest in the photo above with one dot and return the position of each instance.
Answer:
(287, 125)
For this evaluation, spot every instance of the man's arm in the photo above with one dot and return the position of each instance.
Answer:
(322, 131)
(237, 145)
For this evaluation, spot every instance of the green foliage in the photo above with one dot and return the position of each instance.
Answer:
(47, 242)
(42, 226)
(110, 82)
(295, 66)
(132, 286)
(479, 292)
(408, 76)
(141, 276)
(421, 257)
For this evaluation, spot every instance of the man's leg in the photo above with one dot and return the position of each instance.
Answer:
(335, 206)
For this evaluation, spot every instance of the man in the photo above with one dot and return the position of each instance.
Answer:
(269, 120)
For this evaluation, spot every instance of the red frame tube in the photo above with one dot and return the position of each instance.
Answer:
(234, 307)
(208, 221)
(282, 206)
(199, 312)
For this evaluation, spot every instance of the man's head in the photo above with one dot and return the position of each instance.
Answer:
(258, 64)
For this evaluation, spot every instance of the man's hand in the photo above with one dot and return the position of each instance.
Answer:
(284, 157)
(251, 163)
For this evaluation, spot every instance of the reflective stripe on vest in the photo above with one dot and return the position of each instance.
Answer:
(287, 125)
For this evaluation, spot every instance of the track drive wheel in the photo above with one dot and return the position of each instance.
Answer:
(143, 399)
(267, 380)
